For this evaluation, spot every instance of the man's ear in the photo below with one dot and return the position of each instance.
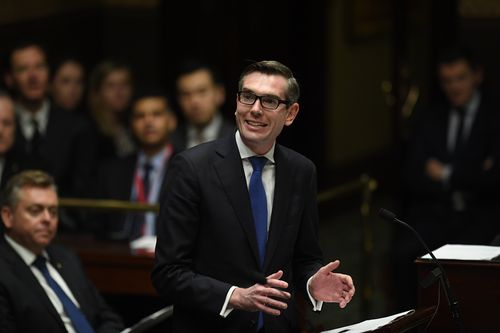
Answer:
(7, 217)
(292, 112)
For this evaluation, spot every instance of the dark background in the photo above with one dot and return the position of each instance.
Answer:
(356, 60)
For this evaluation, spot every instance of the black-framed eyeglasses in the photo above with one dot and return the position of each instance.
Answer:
(267, 102)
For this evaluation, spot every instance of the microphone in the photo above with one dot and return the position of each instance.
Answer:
(439, 272)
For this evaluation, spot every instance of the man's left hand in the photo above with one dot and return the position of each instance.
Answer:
(330, 287)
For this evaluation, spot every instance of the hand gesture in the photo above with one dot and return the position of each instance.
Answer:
(268, 298)
(331, 287)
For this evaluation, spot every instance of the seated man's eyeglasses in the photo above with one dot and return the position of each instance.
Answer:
(267, 102)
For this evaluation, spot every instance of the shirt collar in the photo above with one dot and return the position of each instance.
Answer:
(473, 105)
(156, 161)
(26, 255)
(210, 131)
(246, 152)
(41, 115)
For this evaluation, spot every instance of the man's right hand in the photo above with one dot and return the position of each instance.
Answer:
(268, 298)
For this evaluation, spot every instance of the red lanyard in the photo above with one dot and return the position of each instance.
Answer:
(139, 181)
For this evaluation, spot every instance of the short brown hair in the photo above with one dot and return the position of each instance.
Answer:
(272, 67)
(28, 178)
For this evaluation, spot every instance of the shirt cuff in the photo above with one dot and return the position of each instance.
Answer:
(226, 308)
(317, 305)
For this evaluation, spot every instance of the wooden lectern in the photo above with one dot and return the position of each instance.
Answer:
(477, 287)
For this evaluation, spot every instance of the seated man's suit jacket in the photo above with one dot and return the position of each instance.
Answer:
(207, 242)
(24, 305)
(67, 152)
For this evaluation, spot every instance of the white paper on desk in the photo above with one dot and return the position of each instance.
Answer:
(144, 243)
(465, 252)
(370, 325)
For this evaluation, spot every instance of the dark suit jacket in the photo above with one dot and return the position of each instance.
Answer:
(24, 305)
(11, 167)
(431, 201)
(67, 152)
(179, 136)
(207, 243)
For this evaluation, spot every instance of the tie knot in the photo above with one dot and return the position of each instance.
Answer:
(258, 162)
(40, 263)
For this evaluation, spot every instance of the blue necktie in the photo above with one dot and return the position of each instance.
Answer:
(78, 320)
(258, 202)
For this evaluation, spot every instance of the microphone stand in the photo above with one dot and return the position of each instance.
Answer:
(438, 272)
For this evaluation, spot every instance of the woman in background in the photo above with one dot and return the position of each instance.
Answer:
(68, 84)
(110, 94)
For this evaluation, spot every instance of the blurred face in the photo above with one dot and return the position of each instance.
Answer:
(459, 82)
(199, 97)
(67, 85)
(7, 125)
(29, 74)
(260, 127)
(33, 221)
(116, 90)
(152, 122)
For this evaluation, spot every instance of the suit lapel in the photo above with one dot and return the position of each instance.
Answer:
(282, 189)
(68, 274)
(229, 169)
(24, 273)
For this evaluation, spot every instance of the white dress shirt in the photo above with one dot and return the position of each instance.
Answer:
(29, 257)
(26, 118)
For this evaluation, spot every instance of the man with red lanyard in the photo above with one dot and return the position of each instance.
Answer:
(138, 177)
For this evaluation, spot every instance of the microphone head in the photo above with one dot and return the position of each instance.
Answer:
(386, 214)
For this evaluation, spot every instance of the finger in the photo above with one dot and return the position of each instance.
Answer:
(277, 283)
(276, 293)
(264, 306)
(274, 303)
(276, 275)
(348, 280)
(330, 266)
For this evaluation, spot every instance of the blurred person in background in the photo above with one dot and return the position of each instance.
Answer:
(200, 95)
(452, 171)
(110, 94)
(67, 86)
(138, 177)
(43, 287)
(48, 137)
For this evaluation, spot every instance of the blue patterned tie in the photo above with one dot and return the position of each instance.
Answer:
(78, 320)
(258, 202)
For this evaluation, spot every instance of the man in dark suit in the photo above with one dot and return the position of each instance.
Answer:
(42, 286)
(138, 177)
(200, 94)
(8, 163)
(452, 170)
(48, 138)
(238, 226)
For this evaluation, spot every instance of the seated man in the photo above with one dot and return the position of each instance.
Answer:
(138, 177)
(42, 286)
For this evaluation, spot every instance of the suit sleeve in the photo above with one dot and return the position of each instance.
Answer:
(174, 275)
